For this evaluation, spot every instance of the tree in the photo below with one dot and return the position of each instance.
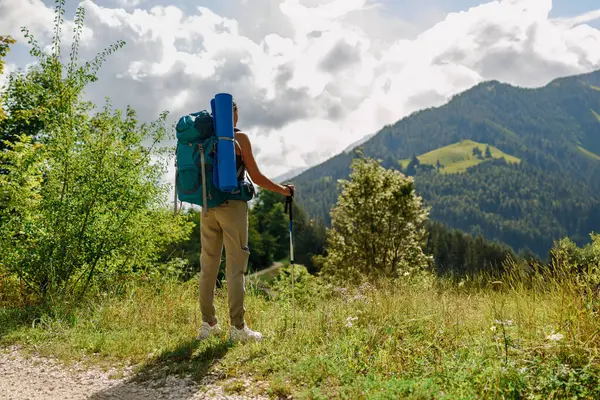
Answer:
(82, 202)
(377, 225)
(272, 225)
(5, 42)
(413, 165)
(477, 152)
(488, 152)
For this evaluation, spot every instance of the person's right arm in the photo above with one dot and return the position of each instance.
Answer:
(255, 174)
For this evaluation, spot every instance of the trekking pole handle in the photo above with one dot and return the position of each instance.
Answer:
(288, 200)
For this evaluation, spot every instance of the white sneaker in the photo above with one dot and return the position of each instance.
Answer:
(244, 335)
(206, 331)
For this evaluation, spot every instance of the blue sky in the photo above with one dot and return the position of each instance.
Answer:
(313, 76)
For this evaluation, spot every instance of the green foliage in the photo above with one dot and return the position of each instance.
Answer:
(521, 206)
(377, 225)
(551, 194)
(20, 198)
(272, 224)
(460, 255)
(273, 227)
(584, 262)
(5, 42)
(86, 204)
(488, 152)
(309, 290)
(49, 94)
(309, 234)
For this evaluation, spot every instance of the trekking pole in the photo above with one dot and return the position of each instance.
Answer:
(288, 209)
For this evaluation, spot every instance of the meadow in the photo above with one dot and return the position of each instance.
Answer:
(458, 157)
(532, 336)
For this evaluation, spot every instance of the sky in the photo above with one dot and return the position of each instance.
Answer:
(311, 77)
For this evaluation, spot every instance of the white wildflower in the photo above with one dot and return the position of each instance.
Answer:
(350, 320)
(555, 337)
(365, 287)
(341, 290)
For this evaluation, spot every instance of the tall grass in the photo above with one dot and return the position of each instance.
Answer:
(532, 335)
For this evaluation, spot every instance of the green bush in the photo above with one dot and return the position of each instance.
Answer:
(308, 289)
(82, 199)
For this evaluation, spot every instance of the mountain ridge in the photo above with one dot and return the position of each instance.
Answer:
(547, 127)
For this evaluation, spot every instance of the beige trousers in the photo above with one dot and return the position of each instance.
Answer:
(226, 224)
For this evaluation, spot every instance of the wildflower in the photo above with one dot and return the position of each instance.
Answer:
(341, 290)
(358, 297)
(365, 287)
(349, 321)
(555, 337)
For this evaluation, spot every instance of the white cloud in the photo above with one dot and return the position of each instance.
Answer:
(129, 3)
(312, 77)
(31, 13)
(38, 19)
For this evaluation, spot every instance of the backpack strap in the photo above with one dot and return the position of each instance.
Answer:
(176, 173)
(242, 167)
(202, 165)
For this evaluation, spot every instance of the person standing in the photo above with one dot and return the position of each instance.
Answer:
(227, 224)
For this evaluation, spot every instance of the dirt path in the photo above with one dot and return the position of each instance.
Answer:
(272, 270)
(34, 378)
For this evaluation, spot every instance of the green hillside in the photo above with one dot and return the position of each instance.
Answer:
(458, 157)
(549, 194)
(589, 153)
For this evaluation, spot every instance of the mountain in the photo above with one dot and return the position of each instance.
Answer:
(286, 176)
(539, 182)
(358, 143)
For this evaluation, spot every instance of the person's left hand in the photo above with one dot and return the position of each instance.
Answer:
(291, 188)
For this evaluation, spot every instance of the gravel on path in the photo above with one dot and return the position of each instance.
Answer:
(35, 377)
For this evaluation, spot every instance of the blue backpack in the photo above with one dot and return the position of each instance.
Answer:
(196, 166)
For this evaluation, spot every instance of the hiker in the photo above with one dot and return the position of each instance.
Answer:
(228, 224)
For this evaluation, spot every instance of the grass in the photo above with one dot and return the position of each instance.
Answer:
(596, 115)
(397, 340)
(589, 153)
(595, 87)
(458, 157)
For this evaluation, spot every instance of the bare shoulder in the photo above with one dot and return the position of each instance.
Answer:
(242, 138)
